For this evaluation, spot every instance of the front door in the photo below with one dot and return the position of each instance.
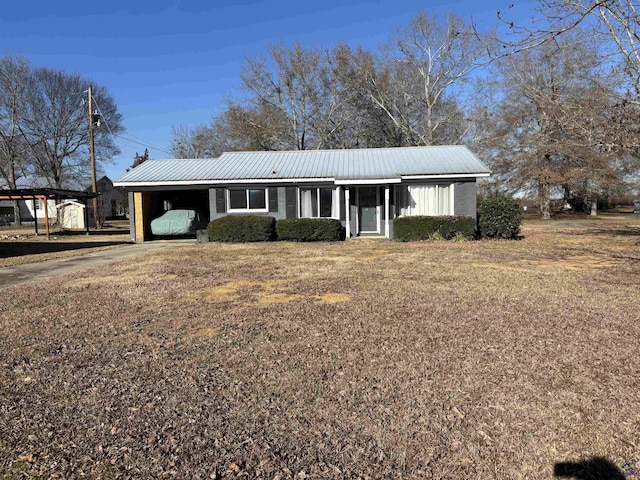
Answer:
(368, 209)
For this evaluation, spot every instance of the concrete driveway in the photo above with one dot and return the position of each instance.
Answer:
(16, 275)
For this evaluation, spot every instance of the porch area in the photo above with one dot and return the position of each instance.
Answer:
(369, 210)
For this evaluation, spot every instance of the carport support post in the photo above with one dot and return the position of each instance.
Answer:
(86, 215)
(132, 216)
(46, 215)
(139, 213)
(35, 215)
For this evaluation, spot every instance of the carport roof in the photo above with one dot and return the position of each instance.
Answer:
(51, 193)
(308, 165)
(44, 194)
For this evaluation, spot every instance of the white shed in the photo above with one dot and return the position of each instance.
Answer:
(72, 215)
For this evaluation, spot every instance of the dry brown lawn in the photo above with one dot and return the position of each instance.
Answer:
(362, 359)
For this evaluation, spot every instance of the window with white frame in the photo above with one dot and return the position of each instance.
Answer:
(247, 199)
(426, 200)
(317, 202)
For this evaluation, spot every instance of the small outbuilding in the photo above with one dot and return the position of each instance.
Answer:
(364, 188)
(72, 215)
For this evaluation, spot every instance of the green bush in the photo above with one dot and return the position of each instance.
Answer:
(499, 217)
(242, 228)
(310, 230)
(408, 229)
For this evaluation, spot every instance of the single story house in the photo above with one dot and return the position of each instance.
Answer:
(29, 210)
(364, 188)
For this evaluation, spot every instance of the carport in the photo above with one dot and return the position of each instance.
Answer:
(44, 194)
(152, 203)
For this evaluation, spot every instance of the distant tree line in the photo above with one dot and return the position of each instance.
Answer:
(553, 109)
(44, 136)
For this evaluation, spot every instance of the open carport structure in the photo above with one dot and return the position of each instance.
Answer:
(44, 194)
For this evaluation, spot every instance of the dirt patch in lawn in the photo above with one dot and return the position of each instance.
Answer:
(334, 298)
(208, 332)
(489, 359)
(272, 298)
(266, 293)
(571, 262)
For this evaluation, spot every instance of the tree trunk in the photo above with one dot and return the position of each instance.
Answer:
(17, 221)
(13, 184)
(594, 206)
(429, 126)
(543, 199)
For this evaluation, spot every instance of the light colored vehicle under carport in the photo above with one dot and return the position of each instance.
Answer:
(176, 222)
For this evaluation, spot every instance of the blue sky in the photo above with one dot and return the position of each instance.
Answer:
(170, 62)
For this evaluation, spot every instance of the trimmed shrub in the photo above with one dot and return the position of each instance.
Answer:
(310, 230)
(242, 228)
(499, 217)
(408, 229)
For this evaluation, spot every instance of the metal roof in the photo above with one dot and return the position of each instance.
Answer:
(337, 165)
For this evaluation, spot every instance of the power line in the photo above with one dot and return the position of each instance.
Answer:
(146, 144)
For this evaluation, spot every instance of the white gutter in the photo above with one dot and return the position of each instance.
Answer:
(373, 181)
(445, 175)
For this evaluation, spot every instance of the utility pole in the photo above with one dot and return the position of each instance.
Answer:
(94, 186)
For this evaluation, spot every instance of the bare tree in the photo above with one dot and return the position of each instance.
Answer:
(615, 23)
(615, 26)
(551, 119)
(289, 82)
(337, 113)
(421, 82)
(297, 99)
(343, 99)
(361, 120)
(14, 74)
(100, 215)
(254, 125)
(193, 142)
(54, 124)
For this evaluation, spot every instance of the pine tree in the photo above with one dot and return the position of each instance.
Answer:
(139, 159)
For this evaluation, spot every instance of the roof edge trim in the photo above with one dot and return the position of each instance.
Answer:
(216, 181)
